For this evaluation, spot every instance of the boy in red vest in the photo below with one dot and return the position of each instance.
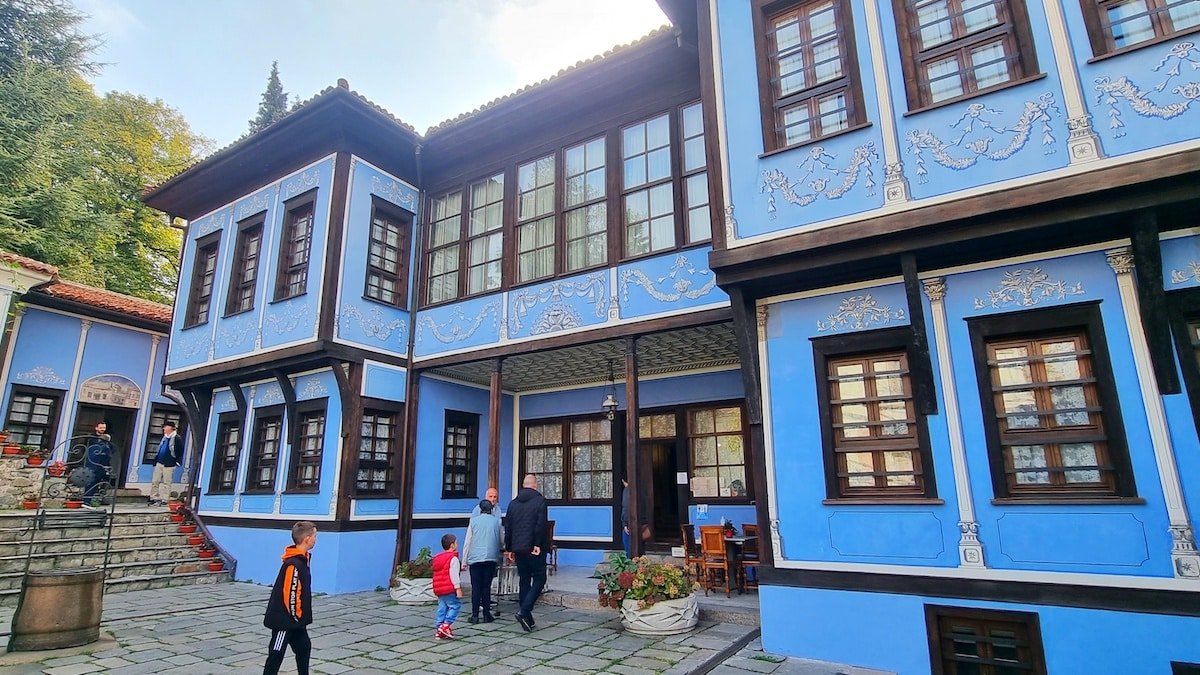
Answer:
(447, 587)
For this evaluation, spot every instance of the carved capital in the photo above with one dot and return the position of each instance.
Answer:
(935, 288)
(895, 185)
(85, 324)
(730, 223)
(1082, 141)
(1120, 260)
(154, 340)
(1183, 552)
(760, 316)
(970, 549)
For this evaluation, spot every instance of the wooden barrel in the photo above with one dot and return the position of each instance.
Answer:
(58, 609)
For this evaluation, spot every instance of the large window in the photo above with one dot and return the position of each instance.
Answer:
(160, 415)
(204, 273)
(33, 416)
(295, 247)
(536, 227)
(460, 455)
(228, 452)
(1050, 406)
(377, 452)
(572, 458)
(808, 72)
(717, 447)
(983, 641)
(243, 280)
(586, 212)
(698, 225)
(953, 49)
(649, 197)
(308, 448)
(485, 235)
(442, 248)
(387, 256)
(264, 453)
(1115, 25)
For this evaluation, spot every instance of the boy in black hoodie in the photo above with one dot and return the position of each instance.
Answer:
(289, 610)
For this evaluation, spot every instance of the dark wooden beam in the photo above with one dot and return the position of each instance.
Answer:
(289, 405)
(197, 404)
(1152, 301)
(495, 396)
(745, 331)
(632, 472)
(709, 102)
(335, 239)
(920, 365)
(349, 380)
(239, 396)
(408, 463)
(309, 356)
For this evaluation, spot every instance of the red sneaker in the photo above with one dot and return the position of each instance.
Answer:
(443, 632)
(449, 631)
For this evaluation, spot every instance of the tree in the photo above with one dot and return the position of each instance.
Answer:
(274, 104)
(44, 32)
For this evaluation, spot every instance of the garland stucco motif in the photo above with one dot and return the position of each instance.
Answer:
(979, 128)
(858, 312)
(255, 204)
(558, 315)
(287, 318)
(211, 224)
(374, 325)
(271, 395)
(678, 283)
(225, 402)
(301, 183)
(458, 327)
(235, 336)
(313, 388)
(393, 192)
(820, 176)
(189, 346)
(41, 375)
(1184, 276)
(1111, 92)
(1026, 288)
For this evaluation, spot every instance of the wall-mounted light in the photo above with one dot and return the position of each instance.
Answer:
(610, 404)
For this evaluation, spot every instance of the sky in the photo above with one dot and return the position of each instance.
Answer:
(423, 60)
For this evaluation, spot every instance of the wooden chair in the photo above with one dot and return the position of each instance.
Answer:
(750, 558)
(693, 561)
(552, 567)
(712, 549)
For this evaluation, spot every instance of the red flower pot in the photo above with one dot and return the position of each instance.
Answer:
(196, 540)
(56, 469)
(34, 461)
(73, 503)
(187, 528)
(216, 566)
(12, 449)
(207, 553)
(176, 517)
(29, 504)
(174, 506)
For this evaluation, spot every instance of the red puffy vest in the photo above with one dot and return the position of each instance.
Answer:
(442, 585)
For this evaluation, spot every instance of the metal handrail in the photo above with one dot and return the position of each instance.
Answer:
(230, 561)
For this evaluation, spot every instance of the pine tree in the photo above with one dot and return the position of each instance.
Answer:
(274, 104)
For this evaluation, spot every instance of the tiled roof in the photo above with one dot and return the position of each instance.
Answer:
(28, 263)
(110, 300)
(656, 33)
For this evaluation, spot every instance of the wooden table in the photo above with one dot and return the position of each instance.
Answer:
(733, 553)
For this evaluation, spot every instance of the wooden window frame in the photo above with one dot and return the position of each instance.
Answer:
(199, 300)
(1183, 306)
(391, 466)
(567, 468)
(49, 430)
(562, 261)
(261, 417)
(1085, 319)
(293, 218)
(1019, 621)
(1014, 29)
(428, 250)
(382, 210)
(248, 229)
(686, 175)
(466, 264)
(1101, 38)
(772, 105)
(747, 465)
(154, 431)
(227, 421)
(672, 181)
(555, 213)
(470, 421)
(298, 454)
(864, 344)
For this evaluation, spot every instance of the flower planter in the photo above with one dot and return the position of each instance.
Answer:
(174, 507)
(665, 617)
(216, 566)
(56, 469)
(29, 504)
(176, 517)
(196, 540)
(412, 591)
(73, 503)
(34, 461)
(207, 553)
(187, 528)
(12, 449)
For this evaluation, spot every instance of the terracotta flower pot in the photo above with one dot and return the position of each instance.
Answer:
(176, 517)
(216, 566)
(73, 503)
(196, 540)
(56, 469)
(207, 553)
(35, 461)
(187, 528)
(174, 506)
(30, 504)
(12, 449)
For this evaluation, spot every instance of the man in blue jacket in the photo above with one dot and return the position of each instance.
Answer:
(170, 453)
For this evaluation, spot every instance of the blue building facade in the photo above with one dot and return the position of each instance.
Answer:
(964, 240)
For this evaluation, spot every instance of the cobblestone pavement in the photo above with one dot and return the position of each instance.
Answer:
(752, 659)
(218, 629)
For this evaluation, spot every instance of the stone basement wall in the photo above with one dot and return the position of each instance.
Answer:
(18, 482)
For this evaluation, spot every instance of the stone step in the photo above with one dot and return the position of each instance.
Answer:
(92, 543)
(154, 528)
(9, 596)
(42, 562)
(148, 568)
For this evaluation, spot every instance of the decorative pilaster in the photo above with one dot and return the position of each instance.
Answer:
(760, 315)
(1184, 558)
(895, 185)
(730, 223)
(1082, 142)
(970, 549)
(64, 430)
(1083, 145)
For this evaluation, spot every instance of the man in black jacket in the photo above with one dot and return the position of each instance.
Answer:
(525, 541)
(289, 609)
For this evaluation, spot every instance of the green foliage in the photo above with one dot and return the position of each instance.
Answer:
(420, 567)
(643, 580)
(73, 164)
(274, 103)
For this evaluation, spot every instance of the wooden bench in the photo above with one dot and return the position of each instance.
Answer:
(58, 520)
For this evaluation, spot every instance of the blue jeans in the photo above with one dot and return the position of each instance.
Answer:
(625, 541)
(448, 606)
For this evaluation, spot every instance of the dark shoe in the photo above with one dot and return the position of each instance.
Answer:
(473, 620)
(487, 618)
(526, 622)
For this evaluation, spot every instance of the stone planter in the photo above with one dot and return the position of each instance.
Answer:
(666, 617)
(412, 591)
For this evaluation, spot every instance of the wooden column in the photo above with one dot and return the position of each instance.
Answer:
(494, 399)
(1152, 302)
(349, 380)
(408, 467)
(746, 332)
(631, 444)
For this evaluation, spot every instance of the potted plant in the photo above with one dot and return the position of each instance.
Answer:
(30, 501)
(728, 529)
(174, 505)
(206, 551)
(412, 583)
(3, 435)
(216, 565)
(34, 456)
(56, 469)
(196, 540)
(187, 528)
(176, 517)
(73, 502)
(654, 598)
(11, 448)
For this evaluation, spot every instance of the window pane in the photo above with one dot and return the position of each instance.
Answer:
(1030, 457)
(1184, 15)
(1130, 23)
(935, 24)
(945, 80)
(991, 65)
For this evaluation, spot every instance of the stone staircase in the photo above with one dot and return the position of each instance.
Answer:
(147, 551)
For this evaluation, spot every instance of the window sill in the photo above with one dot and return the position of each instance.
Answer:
(372, 497)
(721, 501)
(819, 139)
(1142, 45)
(381, 303)
(1036, 501)
(276, 301)
(897, 501)
(259, 491)
(302, 491)
(189, 326)
(974, 94)
(460, 298)
(219, 493)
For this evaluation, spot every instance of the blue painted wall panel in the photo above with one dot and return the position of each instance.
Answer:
(342, 562)
(716, 386)
(384, 382)
(573, 302)
(470, 323)
(44, 351)
(1181, 263)
(668, 283)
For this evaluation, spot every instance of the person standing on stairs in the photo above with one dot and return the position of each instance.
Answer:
(170, 452)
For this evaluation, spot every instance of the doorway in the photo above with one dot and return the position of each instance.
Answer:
(120, 427)
(659, 466)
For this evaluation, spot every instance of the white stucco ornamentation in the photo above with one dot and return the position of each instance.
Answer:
(394, 193)
(820, 178)
(458, 327)
(1112, 92)
(313, 388)
(1184, 276)
(730, 223)
(679, 282)
(212, 224)
(285, 320)
(858, 312)
(301, 183)
(255, 204)
(372, 324)
(41, 375)
(1026, 288)
(556, 314)
(272, 395)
